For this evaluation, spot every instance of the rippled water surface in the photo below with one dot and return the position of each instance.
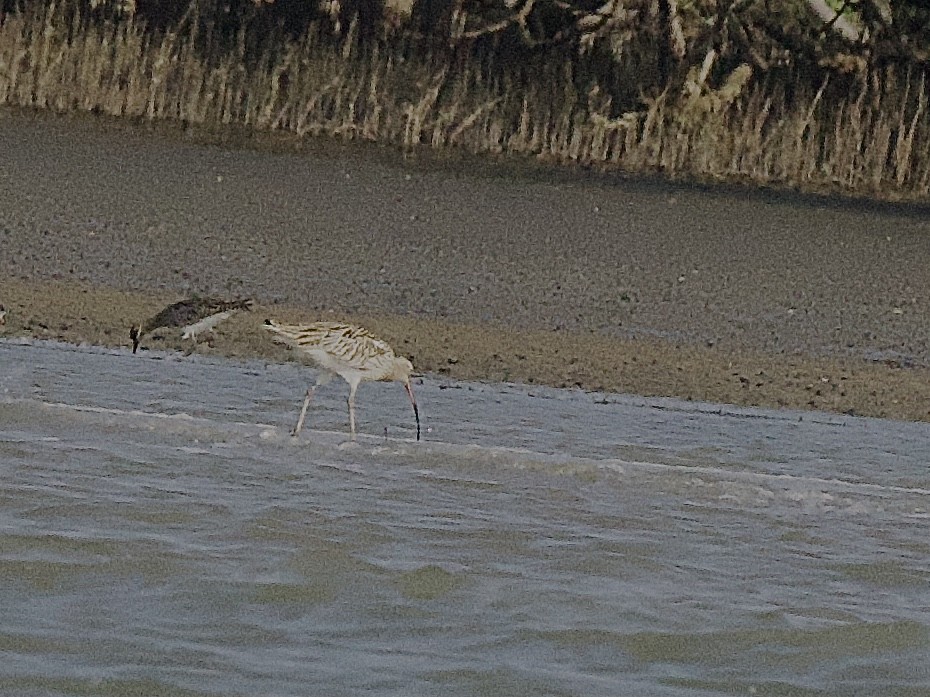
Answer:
(160, 533)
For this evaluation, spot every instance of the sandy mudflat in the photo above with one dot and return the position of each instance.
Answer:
(474, 270)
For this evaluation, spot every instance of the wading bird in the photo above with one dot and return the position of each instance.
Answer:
(2, 315)
(193, 316)
(349, 352)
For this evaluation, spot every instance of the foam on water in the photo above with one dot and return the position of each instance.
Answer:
(217, 435)
(161, 531)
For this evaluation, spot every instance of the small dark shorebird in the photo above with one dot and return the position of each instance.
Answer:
(192, 316)
(2, 315)
(348, 351)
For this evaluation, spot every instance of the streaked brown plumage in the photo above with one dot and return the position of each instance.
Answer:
(352, 353)
(2, 315)
(193, 316)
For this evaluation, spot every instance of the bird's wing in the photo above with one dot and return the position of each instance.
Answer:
(354, 345)
(176, 315)
(226, 305)
(350, 345)
(192, 310)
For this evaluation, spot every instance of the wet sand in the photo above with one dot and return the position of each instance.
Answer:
(487, 271)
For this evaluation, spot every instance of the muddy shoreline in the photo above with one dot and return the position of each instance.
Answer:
(475, 272)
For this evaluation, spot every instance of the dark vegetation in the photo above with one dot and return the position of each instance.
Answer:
(793, 92)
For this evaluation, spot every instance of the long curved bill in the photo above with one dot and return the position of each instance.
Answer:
(416, 412)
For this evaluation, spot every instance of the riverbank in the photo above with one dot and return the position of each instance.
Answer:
(80, 313)
(614, 285)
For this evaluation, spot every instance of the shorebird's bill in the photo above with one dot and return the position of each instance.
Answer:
(416, 411)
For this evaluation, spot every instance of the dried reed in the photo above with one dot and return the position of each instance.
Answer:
(870, 139)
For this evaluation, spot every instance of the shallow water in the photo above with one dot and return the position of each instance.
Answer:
(160, 533)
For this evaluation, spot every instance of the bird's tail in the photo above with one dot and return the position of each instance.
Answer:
(245, 304)
(286, 333)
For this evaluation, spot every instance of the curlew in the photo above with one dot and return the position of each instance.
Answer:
(192, 316)
(349, 352)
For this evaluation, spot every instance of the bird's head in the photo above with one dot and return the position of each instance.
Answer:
(134, 334)
(402, 370)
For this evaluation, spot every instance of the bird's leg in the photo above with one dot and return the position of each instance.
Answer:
(352, 388)
(303, 412)
(192, 335)
(322, 379)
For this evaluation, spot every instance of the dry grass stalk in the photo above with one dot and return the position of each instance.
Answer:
(874, 140)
